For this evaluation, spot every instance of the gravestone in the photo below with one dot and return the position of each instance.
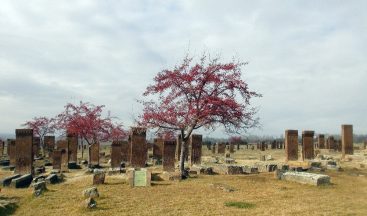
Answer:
(221, 148)
(125, 151)
(339, 145)
(139, 177)
(321, 141)
(231, 148)
(169, 149)
(347, 139)
(195, 143)
(291, 145)
(158, 148)
(365, 144)
(49, 143)
(94, 154)
(2, 145)
(330, 142)
(138, 149)
(11, 151)
(116, 154)
(307, 145)
(213, 148)
(36, 146)
(73, 147)
(262, 146)
(62, 145)
(56, 159)
(24, 151)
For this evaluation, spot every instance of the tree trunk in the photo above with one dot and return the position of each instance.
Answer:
(182, 158)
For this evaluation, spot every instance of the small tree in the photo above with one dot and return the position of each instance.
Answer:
(206, 94)
(86, 121)
(41, 127)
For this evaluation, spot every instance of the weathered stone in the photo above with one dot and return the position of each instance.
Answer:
(321, 141)
(91, 192)
(22, 181)
(7, 180)
(262, 158)
(169, 148)
(347, 140)
(99, 178)
(195, 143)
(72, 147)
(138, 147)
(11, 151)
(116, 154)
(90, 203)
(56, 159)
(24, 151)
(36, 146)
(203, 170)
(139, 177)
(221, 148)
(228, 169)
(4, 162)
(250, 170)
(94, 155)
(62, 145)
(306, 178)
(158, 148)
(39, 188)
(52, 179)
(291, 145)
(170, 176)
(49, 142)
(307, 145)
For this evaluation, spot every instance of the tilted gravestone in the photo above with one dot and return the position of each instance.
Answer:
(291, 145)
(158, 148)
(221, 148)
(116, 156)
(169, 148)
(125, 151)
(73, 147)
(11, 151)
(94, 154)
(138, 149)
(24, 151)
(56, 159)
(36, 146)
(195, 148)
(307, 145)
(321, 141)
(347, 139)
(62, 145)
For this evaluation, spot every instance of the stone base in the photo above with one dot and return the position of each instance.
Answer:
(22, 181)
(306, 178)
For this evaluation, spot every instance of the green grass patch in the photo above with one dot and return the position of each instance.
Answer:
(244, 205)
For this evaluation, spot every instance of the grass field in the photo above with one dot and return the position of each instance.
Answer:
(259, 194)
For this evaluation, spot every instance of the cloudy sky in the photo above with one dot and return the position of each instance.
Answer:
(307, 58)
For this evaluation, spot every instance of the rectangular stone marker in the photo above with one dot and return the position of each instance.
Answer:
(73, 147)
(49, 142)
(231, 148)
(307, 145)
(24, 151)
(169, 149)
(306, 178)
(158, 148)
(321, 141)
(330, 143)
(221, 148)
(116, 154)
(2, 146)
(11, 151)
(195, 143)
(139, 178)
(94, 154)
(125, 151)
(291, 145)
(62, 145)
(213, 148)
(347, 139)
(36, 146)
(138, 149)
(56, 159)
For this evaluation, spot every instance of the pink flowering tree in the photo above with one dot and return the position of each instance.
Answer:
(205, 94)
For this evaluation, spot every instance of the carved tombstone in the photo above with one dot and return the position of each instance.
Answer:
(307, 145)
(56, 159)
(62, 145)
(231, 148)
(158, 148)
(321, 141)
(94, 154)
(125, 151)
(221, 148)
(24, 151)
(36, 146)
(291, 145)
(169, 149)
(73, 147)
(347, 139)
(116, 154)
(11, 151)
(195, 148)
(138, 149)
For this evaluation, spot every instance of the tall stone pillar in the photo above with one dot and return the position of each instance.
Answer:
(307, 145)
(347, 139)
(291, 145)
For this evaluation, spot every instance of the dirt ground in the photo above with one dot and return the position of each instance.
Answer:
(347, 195)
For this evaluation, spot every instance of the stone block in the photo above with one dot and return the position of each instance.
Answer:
(306, 178)
(22, 181)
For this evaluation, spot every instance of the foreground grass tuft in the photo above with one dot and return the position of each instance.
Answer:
(240, 205)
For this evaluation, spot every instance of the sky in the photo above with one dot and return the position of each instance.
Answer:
(307, 58)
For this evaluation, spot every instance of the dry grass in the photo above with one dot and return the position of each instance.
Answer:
(196, 196)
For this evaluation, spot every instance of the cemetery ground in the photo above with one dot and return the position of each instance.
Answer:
(260, 194)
